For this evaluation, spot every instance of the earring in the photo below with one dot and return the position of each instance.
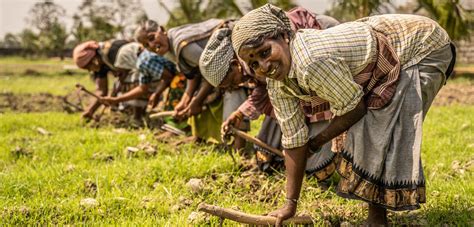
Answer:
(287, 40)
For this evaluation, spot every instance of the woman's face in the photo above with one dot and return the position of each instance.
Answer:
(159, 42)
(143, 39)
(234, 77)
(93, 65)
(271, 59)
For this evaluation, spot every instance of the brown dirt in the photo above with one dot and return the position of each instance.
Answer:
(455, 94)
(70, 103)
(452, 93)
(120, 119)
(43, 102)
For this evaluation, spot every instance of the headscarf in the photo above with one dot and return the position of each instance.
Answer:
(215, 59)
(302, 18)
(145, 27)
(257, 22)
(127, 56)
(84, 53)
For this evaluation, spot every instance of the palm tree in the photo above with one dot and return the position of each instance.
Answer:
(450, 14)
(348, 10)
(192, 11)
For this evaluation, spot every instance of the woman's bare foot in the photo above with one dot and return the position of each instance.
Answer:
(377, 216)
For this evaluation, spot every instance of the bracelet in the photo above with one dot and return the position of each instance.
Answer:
(295, 201)
(239, 114)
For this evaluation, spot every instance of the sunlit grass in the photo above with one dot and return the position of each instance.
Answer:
(43, 178)
(46, 182)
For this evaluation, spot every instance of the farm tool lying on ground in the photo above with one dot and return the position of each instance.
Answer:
(241, 217)
(250, 219)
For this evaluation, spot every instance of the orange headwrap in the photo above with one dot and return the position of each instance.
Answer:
(84, 53)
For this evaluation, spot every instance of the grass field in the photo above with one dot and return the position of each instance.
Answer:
(45, 177)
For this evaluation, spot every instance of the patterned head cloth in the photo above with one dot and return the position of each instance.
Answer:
(127, 56)
(84, 53)
(215, 59)
(145, 28)
(258, 22)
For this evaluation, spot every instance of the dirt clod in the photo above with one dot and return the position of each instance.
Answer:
(90, 187)
(131, 151)
(70, 168)
(21, 152)
(100, 156)
(148, 202)
(196, 218)
(195, 185)
(89, 203)
(148, 149)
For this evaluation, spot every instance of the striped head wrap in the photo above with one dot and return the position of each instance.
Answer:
(259, 22)
(127, 56)
(215, 59)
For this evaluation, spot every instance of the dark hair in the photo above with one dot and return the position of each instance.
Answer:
(150, 26)
(146, 26)
(258, 40)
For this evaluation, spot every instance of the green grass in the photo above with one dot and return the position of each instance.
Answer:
(23, 76)
(53, 84)
(34, 61)
(45, 182)
(43, 178)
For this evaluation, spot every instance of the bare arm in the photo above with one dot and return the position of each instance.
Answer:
(204, 91)
(101, 90)
(132, 94)
(295, 163)
(195, 106)
(162, 85)
(339, 125)
(191, 86)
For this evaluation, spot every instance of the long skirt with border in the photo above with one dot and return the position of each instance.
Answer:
(381, 161)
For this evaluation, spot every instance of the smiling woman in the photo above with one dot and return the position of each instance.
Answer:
(270, 59)
(369, 74)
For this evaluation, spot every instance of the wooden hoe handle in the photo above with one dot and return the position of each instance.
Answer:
(251, 219)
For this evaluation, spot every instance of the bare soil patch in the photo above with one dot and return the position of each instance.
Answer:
(455, 94)
(43, 102)
(70, 103)
(451, 93)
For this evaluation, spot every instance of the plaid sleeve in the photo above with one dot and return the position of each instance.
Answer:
(290, 116)
(150, 70)
(332, 80)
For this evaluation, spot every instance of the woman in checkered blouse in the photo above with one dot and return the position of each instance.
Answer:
(378, 77)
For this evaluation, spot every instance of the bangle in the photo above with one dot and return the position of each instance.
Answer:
(239, 114)
(295, 201)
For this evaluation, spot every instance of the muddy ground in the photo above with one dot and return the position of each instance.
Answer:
(70, 103)
(455, 94)
(451, 94)
(43, 102)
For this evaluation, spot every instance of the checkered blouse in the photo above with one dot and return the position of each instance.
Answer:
(325, 62)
